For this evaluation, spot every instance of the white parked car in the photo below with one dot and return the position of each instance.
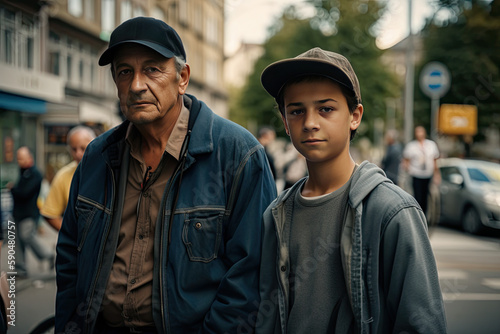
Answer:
(470, 194)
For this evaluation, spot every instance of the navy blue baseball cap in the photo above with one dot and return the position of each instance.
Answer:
(147, 31)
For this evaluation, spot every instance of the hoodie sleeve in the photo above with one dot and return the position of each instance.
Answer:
(413, 295)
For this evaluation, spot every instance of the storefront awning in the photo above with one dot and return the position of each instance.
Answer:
(21, 103)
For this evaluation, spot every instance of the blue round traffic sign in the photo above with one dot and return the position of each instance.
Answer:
(435, 80)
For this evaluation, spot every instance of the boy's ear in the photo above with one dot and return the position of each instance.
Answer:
(283, 118)
(357, 115)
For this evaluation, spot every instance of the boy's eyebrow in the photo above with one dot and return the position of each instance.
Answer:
(298, 104)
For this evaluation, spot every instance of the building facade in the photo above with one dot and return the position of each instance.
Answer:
(50, 79)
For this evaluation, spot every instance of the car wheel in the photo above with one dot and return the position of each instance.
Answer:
(472, 222)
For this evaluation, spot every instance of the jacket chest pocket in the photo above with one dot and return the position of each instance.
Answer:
(87, 212)
(202, 235)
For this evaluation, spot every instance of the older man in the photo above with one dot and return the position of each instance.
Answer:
(57, 198)
(162, 233)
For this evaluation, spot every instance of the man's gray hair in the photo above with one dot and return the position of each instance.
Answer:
(90, 133)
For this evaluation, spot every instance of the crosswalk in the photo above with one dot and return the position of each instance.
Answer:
(455, 286)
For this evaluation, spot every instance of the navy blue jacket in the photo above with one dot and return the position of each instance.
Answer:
(25, 194)
(207, 280)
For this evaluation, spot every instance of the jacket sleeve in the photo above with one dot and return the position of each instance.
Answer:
(66, 263)
(413, 295)
(235, 307)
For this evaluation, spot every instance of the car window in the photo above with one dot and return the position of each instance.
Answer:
(447, 171)
(477, 175)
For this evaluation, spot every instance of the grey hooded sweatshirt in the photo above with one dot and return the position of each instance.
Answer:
(387, 260)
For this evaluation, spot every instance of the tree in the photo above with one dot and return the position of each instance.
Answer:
(468, 43)
(342, 26)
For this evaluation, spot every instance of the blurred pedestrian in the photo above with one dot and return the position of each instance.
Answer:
(420, 160)
(393, 156)
(344, 250)
(162, 232)
(26, 213)
(266, 137)
(57, 198)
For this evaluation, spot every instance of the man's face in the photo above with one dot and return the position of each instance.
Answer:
(147, 83)
(318, 120)
(78, 143)
(420, 133)
(24, 158)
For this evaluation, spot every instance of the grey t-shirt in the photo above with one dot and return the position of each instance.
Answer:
(318, 295)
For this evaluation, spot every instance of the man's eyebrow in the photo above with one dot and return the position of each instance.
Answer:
(298, 104)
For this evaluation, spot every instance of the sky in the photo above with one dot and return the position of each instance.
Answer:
(248, 21)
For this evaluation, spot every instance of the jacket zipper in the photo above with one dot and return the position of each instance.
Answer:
(101, 255)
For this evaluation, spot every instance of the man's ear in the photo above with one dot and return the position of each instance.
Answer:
(184, 79)
(356, 117)
(283, 118)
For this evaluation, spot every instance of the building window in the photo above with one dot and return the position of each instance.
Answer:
(89, 10)
(54, 67)
(183, 11)
(30, 45)
(125, 11)
(139, 11)
(8, 43)
(212, 30)
(75, 7)
(211, 71)
(69, 66)
(107, 18)
(81, 68)
(198, 19)
(158, 13)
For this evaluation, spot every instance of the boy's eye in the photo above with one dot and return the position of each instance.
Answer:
(326, 109)
(296, 112)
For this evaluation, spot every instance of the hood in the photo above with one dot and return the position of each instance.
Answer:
(366, 177)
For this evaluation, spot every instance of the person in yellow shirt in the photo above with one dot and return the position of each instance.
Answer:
(57, 198)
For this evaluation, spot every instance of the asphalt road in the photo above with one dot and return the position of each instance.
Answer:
(469, 272)
(469, 269)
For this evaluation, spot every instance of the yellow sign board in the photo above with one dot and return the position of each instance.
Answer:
(457, 119)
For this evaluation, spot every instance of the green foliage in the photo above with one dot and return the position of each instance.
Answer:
(342, 26)
(468, 43)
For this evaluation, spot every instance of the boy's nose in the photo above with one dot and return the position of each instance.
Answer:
(311, 121)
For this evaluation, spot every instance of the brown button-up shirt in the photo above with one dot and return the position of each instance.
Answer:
(128, 296)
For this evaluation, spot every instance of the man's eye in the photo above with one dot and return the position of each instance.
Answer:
(123, 72)
(152, 69)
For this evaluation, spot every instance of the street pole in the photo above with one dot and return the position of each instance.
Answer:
(409, 85)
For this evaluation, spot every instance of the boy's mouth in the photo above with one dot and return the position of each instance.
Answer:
(312, 141)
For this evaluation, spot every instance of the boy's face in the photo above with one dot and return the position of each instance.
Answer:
(317, 119)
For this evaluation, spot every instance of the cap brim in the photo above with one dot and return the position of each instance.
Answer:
(275, 76)
(108, 55)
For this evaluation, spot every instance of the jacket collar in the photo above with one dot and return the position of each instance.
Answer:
(201, 138)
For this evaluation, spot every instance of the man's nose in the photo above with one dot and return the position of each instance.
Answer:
(138, 83)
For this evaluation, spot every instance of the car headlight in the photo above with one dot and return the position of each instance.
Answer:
(492, 198)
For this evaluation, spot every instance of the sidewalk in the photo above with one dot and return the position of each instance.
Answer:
(38, 272)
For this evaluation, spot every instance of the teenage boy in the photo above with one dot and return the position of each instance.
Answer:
(344, 249)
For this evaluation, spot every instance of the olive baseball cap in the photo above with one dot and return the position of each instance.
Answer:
(315, 61)
(147, 31)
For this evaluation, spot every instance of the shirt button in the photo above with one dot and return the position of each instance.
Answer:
(141, 237)
(283, 268)
(197, 225)
(132, 281)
